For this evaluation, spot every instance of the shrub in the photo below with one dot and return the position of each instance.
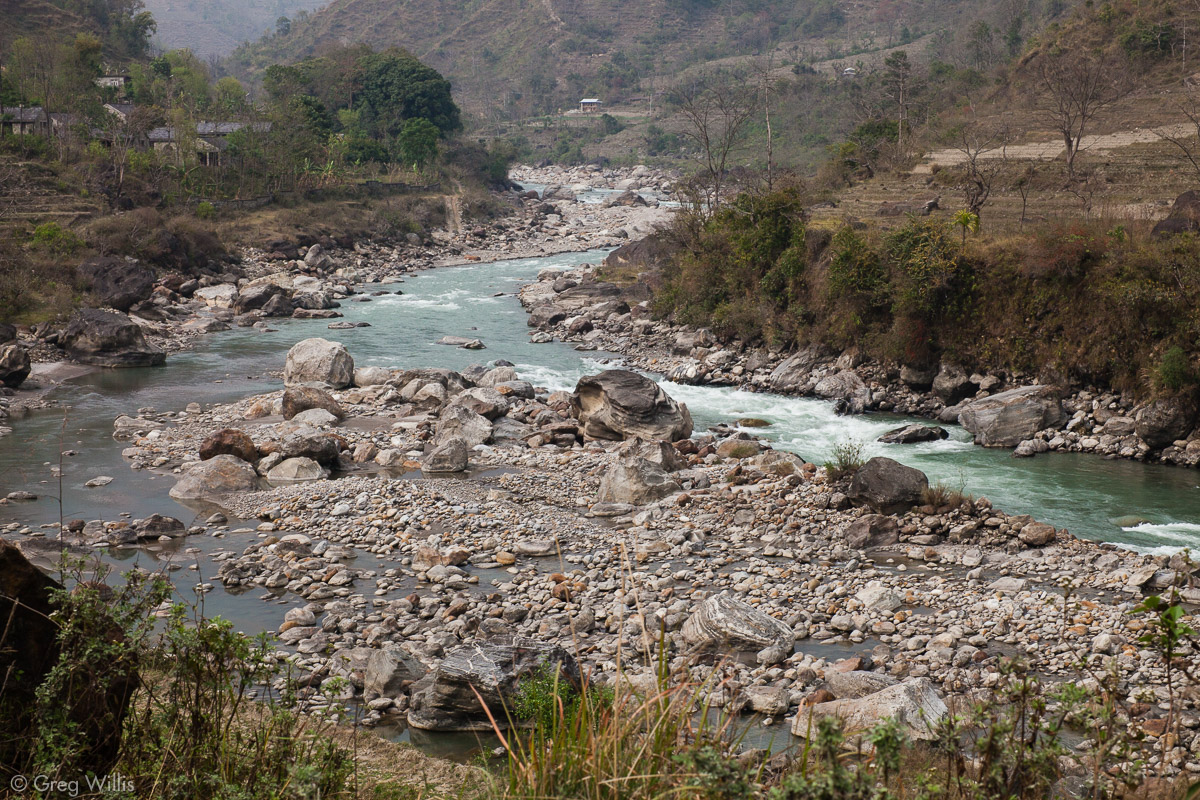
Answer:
(932, 277)
(1174, 370)
(855, 269)
(205, 210)
(846, 460)
(940, 495)
(53, 238)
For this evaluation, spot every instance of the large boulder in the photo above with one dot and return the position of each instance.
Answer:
(1165, 420)
(796, 369)
(318, 361)
(486, 402)
(96, 708)
(658, 452)
(309, 443)
(253, 298)
(448, 698)
(911, 434)
(297, 399)
(635, 480)
(887, 486)
(117, 282)
(952, 384)
(296, 470)
(460, 422)
(229, 442)
(1009, 418)
(847, 388)
(14, 365)
(217, 476)
(452, 455)
(108, 339)
(1184, 216)
(872, 530)
(914, 704)
(722, 623)
(619, 404)
(390, 672)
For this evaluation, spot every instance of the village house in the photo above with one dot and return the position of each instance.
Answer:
(589, 104)
(23, 121)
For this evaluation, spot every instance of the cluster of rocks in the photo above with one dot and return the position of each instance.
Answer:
(622, 532)
(1000, 410)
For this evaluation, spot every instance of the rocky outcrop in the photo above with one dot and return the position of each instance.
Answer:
(119, 283)
(14, 365)
(795, 370)
(952, 384)
(847, 390)
(297, 399)
(887, 486)
(229, 442)
(619, 404)
(914, 704)
(1009, 418)
(446, 699)
(723, 623)
(390, 672)
(108, 339)
(215, 477)
(318, 361)
(1165, 420)
(1183, 217)
(460, 422)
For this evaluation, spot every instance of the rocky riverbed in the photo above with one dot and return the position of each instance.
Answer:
(435, 529)
(1004, 409)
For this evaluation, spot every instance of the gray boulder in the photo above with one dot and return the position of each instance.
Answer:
(460, 422)
(857, 683)
(911, 434)
(847, 389)
(108, 339)
(914, 704)
(872, 530)
(297, 399)
(794, 372)
(635, 480)
(452, 455)
(486, 402)
(390, 672)
(309, 443)
(619, 404)
(14, 365)
(318, 361)
(296, 470)
(952, 384)
(117, 282)
(371, 376)
(722, 623)
(1009, 418)
(887, 486)
(217, 476)
(1165, 420)
(448, 698)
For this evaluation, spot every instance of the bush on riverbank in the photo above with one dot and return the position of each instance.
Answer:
(1076, 300)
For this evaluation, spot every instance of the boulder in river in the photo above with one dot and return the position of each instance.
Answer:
(1163, 421)
(309, 443)
(302, 398)
(448, 698)
(108, 339)
(318, 361)
(229, 442)
(847, 390)
(794, 371)
(460, 422)
(952, 384)
(1009, 418)
(14, 365)
(723, 623)
(911, 434)
(296, 470)
(217, 476)
(119, 283)
(887, 486)
(914, 704)
(390, 671)
(620, 404)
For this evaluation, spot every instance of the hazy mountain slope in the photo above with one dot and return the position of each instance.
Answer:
(32, 17)
(216, 27)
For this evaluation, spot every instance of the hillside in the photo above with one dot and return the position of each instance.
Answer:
(31, 17)
(515, 58)
(215, 27)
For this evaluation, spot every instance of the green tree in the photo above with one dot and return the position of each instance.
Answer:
(418, 142)
(229, 95)
(396, 87)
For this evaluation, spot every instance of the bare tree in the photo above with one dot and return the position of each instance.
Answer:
(1076, 90)
(766, 82)
(1185, 138)
(980, 144)
(1024, 186)
(716, 110)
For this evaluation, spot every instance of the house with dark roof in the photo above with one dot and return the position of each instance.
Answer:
(23, 121)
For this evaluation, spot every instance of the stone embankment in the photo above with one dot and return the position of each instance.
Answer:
(1000, 409)
(564, 537)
